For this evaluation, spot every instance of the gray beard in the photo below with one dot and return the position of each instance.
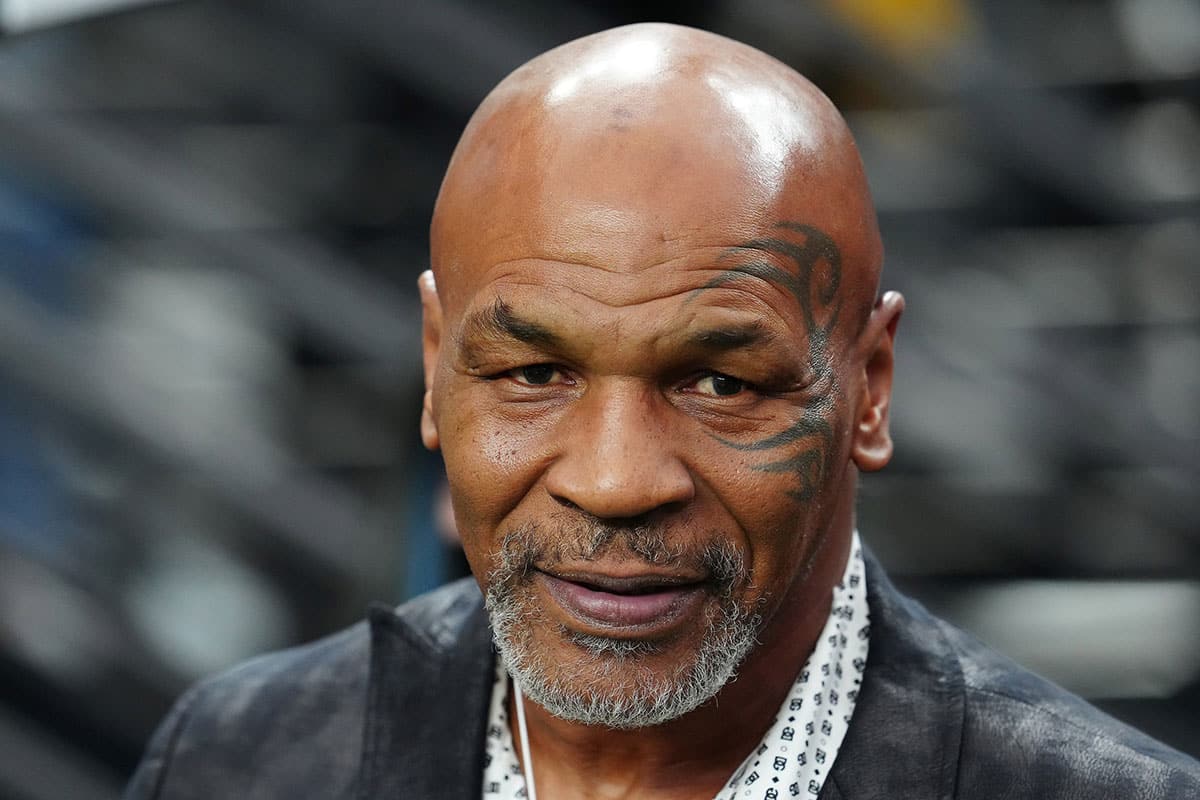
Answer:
(611, 685)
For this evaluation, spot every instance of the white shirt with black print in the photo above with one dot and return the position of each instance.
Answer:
(798, 750)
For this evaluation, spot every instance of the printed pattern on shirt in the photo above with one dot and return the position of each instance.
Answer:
(502, 777)
(798, 750)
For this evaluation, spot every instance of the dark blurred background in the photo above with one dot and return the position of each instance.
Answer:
(212, 215)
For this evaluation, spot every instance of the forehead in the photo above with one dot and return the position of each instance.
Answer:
(623, 245)
(643, 179)
(625, 205)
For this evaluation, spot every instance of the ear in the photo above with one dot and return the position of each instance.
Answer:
(431, 346)
(871, 448)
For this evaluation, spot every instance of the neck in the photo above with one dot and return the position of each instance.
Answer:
(694, 755)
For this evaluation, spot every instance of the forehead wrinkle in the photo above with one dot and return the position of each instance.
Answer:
(763, 299)
(759, 269)
(594, 284)
(702, 330)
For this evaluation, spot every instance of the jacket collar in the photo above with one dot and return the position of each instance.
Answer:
(431, 677)
(430, 681)
(906, 732)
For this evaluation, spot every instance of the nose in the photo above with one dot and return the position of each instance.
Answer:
(618, 457)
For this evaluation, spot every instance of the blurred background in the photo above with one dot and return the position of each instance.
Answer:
(212, 215)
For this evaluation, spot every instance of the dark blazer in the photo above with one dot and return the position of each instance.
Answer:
(395, 708)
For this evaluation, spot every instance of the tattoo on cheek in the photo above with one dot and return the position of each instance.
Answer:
(806, 447)
(813, 433)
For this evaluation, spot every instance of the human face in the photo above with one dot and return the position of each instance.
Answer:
(645, 461)
(647, 370)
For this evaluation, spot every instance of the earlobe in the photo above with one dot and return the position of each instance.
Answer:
(431, 343)
(872, 445)
(429, 433)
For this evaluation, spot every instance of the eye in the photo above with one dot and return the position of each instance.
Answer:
(536, 374)
(718, 385)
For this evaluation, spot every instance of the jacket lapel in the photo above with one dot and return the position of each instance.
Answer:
(427, 703)
(906, 732)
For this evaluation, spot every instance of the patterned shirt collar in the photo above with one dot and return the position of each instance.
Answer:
(798, 750)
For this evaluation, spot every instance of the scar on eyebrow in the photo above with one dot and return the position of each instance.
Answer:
(500, 321)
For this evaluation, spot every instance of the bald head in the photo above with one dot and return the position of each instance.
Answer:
(650, 133)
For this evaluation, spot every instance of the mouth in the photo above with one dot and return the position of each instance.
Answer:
(638, 605)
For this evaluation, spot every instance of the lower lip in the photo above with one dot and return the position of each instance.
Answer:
(622, 610)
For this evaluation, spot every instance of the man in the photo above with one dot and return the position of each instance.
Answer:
(656, 362)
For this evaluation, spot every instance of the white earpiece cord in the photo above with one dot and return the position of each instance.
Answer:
(526, 757)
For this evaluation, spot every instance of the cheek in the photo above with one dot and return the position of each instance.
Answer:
(781, 525)
(491, 464)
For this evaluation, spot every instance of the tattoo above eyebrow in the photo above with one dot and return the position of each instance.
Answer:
(499, 321)
(815, 282)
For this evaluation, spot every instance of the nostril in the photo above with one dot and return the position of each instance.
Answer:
(564, 502)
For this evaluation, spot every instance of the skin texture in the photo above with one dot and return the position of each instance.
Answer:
(655, 309)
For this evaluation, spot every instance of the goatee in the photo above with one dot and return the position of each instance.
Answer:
(612, 683)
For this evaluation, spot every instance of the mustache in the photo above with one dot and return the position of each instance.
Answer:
(533, 545)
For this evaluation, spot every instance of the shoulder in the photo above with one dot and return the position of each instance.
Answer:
(1033, 738)
(318, 676)
(288, 723)
(436, 620)
(940, 702)
(305, 675)
(272, 721)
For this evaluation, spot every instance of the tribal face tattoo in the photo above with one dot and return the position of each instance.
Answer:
(813, 278)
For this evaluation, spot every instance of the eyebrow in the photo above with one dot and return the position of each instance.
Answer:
(731, 338)
(499, 321)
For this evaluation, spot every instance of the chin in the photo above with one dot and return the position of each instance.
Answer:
(620, 682)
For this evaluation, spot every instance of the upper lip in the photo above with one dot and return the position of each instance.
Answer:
(624, 584)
